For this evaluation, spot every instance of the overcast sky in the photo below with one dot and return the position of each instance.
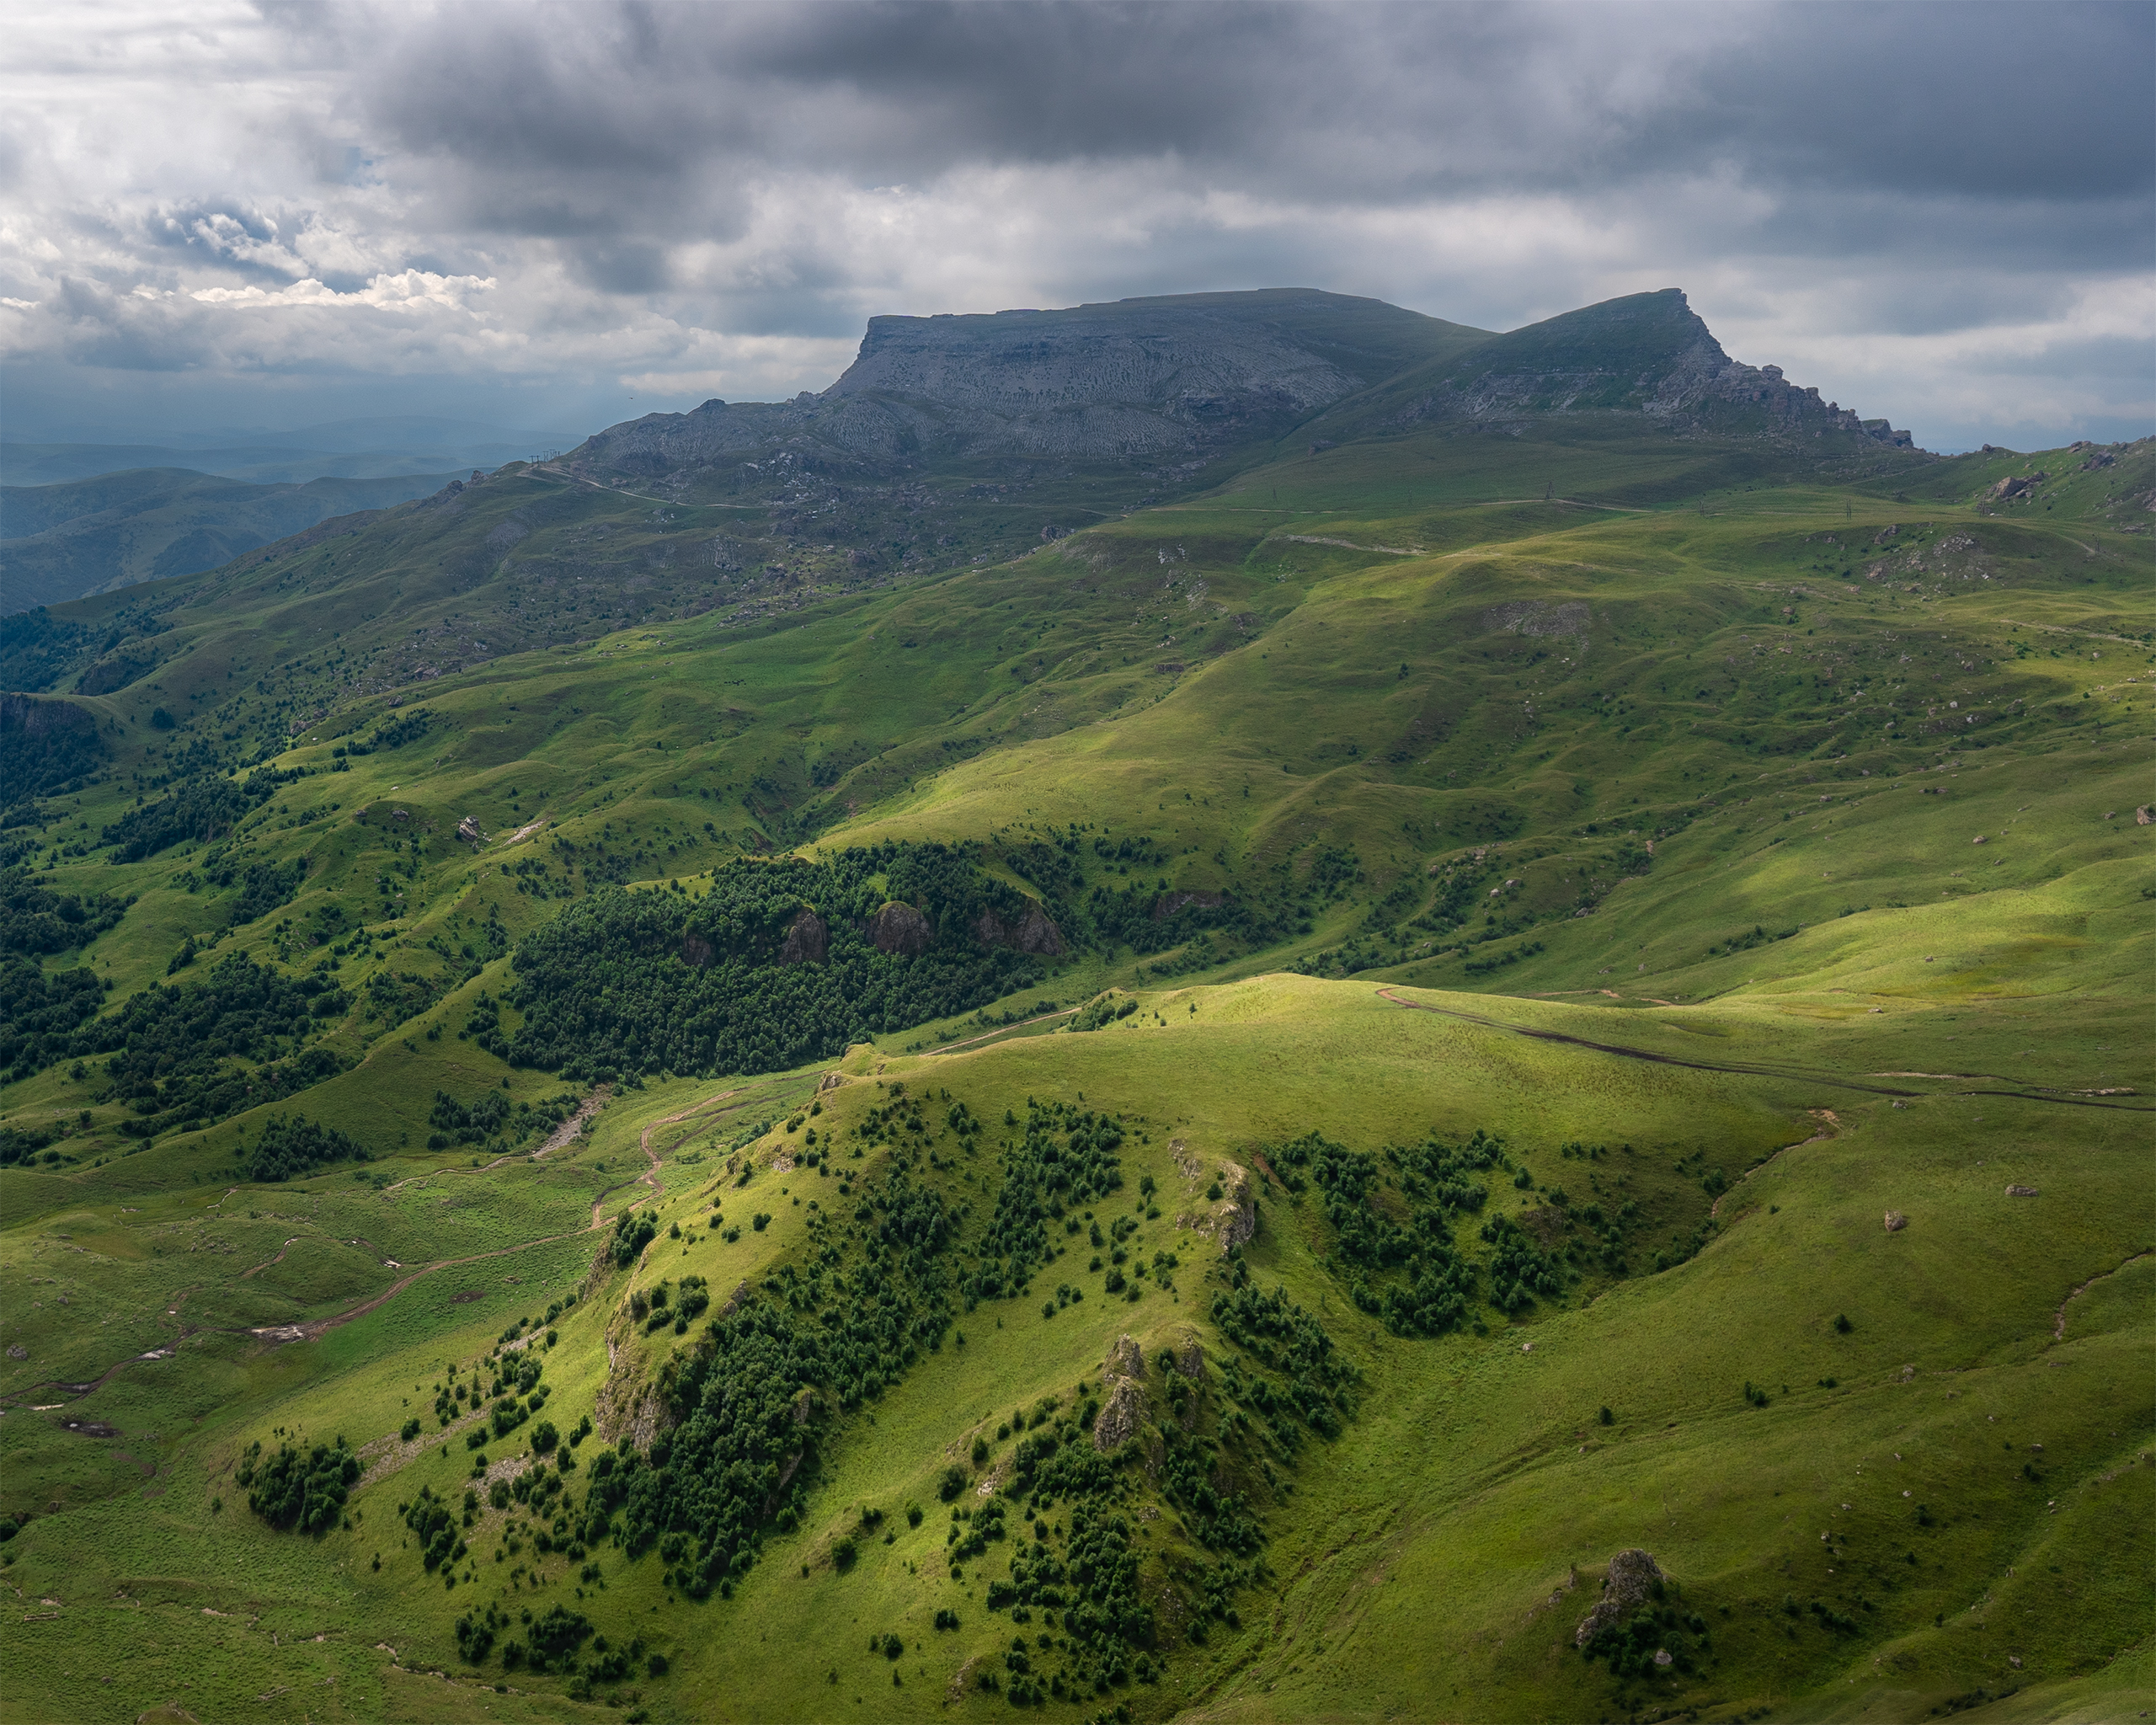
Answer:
(559, 215)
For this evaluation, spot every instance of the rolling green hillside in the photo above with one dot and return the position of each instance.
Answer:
(620, 1106)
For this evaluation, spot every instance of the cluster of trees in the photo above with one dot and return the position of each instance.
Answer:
(265, 887)
(1404, 1270)
(1316, 1379)
(1064, 1158)
(466, 1123)
(391, 734)
(519, 1376)
(284, 1148)
(203, 808)
(41, 1014)
(1659, 1625)
(875, 1296)
(44, 745)
(1520, 1270)
(171, 1045)
(636, 981)
(36, 920)
(301, 1490)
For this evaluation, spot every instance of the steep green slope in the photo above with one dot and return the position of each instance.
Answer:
(1522, 901)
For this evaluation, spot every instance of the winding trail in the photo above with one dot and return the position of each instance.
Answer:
(649, 1176)
(1643, 1053)
(2058, 1323)
(1830, 1130)
(1803, 1075)
(561, 1135)
(279, 1258)
(952, 1047)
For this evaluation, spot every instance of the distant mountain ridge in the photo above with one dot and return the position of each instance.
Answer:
(63, 541)
(1183, 379)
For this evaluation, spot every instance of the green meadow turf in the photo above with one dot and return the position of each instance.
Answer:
(1706, 750)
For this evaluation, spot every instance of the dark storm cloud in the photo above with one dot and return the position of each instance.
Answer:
(1361, 103)
(1933, 209)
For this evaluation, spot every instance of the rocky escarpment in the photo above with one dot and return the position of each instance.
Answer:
(1124, 1411)
(1175, 381)
(900, 928)
(1177, 377)
(1033, 932)
(1648, 353)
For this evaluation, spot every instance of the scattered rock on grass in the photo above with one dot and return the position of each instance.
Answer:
(1896, 1221)
(2020, 1192)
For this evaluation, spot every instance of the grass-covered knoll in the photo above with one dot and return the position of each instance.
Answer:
(1522, 894)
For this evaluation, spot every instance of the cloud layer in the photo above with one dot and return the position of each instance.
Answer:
(561, 213)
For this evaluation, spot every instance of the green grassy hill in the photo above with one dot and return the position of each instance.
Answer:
(595, 1085)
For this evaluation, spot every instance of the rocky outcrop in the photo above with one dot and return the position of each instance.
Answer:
(1231, 1218)
(695, 952)
(1125, 1360)
(468, 830)
(1189, 1360)
(1033, 932)
(1646, 353)
(807, 941)
(900, 928)
(1122, 1416)
(1896, 1221)
(1169, 904)
(1633, 1578)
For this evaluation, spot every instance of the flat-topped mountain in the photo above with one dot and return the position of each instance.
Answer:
(1188, 374)
(1185, 379)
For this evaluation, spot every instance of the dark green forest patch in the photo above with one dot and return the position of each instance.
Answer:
(775, 966)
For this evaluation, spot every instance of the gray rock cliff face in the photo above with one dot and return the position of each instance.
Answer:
(1648, 353)
(1150, 378)
(1180, 379)
(900, 928)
